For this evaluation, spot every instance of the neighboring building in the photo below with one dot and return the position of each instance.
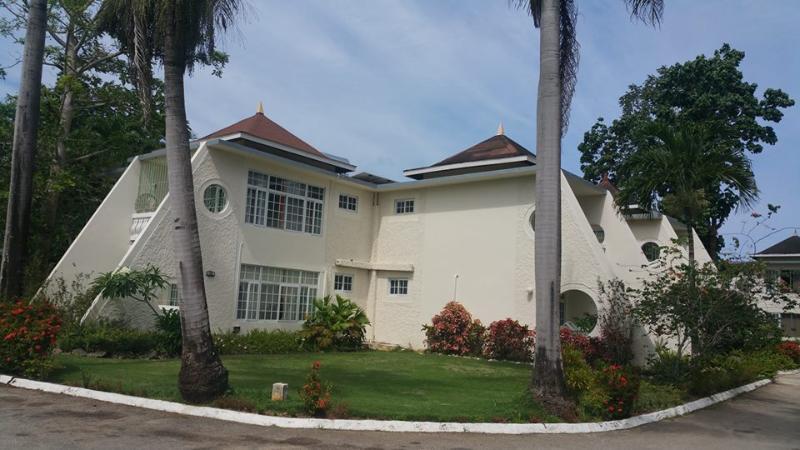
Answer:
(783, 267)
(282, 223)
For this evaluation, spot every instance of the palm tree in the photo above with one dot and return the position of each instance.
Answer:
(184, 35)
(558, 65)
(673, 175)
(26, 127)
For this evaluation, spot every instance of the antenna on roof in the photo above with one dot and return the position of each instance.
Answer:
(260, 109)
(500, 130)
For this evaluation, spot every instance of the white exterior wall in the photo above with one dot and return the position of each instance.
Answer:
(479, 230)
(108, 229)
(472, 230)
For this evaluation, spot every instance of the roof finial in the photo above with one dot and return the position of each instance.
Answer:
(260, 109)
(500, 130)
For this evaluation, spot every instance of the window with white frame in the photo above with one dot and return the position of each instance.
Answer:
(280, 203)
(398, 286)
(272, 293)
(342, 282)
(348, 202)
(404, 206)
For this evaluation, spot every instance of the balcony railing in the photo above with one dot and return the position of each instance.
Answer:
(139, 222)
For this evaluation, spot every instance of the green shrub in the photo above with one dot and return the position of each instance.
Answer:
(720, 373)
(667, 367)
(655, 397)
(111, 339)
(258, 342)
(339, 325)
(168, 333)
(27, 337)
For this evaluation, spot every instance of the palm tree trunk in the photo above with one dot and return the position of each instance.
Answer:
(26, 126)
(548, 374)
(202, 376)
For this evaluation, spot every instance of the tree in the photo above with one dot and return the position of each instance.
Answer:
(707, 90)
(183, 35)
(674, 166)
(718, 309)
(26, 123)
(558, 65)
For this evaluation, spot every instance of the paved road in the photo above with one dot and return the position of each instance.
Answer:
(767, 418)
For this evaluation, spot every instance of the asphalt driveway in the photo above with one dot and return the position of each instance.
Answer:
(768, 418)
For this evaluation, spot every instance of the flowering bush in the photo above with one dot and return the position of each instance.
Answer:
(453, 332)
(622, 384)
(589, 347)
(509, 340)
(791, 350)
(28, 337)
(315, 394)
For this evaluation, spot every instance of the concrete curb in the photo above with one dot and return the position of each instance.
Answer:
(383, 425)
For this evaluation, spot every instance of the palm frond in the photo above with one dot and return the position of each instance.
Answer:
(570, 58)
(648, 11)
(569, 49)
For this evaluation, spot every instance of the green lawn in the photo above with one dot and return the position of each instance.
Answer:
(386, 385)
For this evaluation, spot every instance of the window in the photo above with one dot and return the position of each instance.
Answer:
(280, 203)
(271, 293)
(174, 295)
(215, 198)
(398, 286)
(599, 233)
(651, 251)
(405, 206)
(348, 202)
(788, 280)
(533, 220)
(342, 282)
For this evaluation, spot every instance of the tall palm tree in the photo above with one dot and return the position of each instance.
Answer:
(26, 127)
(558, 66)
(673, 175)
(184, 36)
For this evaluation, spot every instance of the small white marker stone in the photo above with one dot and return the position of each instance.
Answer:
(280, 391)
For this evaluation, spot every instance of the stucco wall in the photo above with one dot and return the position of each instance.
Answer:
(108, 230)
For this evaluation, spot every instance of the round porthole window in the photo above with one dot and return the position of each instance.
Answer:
(533, 220)
(215, 198)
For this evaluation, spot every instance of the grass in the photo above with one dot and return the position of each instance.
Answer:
(382, 385)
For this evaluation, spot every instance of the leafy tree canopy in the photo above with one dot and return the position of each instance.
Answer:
(709, 91)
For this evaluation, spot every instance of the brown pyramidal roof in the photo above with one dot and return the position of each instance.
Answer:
(496, 147)
(260, 126)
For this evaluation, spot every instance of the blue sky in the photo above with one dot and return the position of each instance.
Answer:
(399, 84)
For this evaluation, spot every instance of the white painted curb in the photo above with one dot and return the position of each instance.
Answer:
(382, 425)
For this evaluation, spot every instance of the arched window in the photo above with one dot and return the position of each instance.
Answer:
(652, 251)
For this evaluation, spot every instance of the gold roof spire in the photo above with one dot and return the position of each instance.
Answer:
(260, 109)
(500, 130)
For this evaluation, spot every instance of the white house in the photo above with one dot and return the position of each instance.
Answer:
(282, 223)
(783, 266)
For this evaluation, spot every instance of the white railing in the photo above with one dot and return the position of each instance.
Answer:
(139, 222)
